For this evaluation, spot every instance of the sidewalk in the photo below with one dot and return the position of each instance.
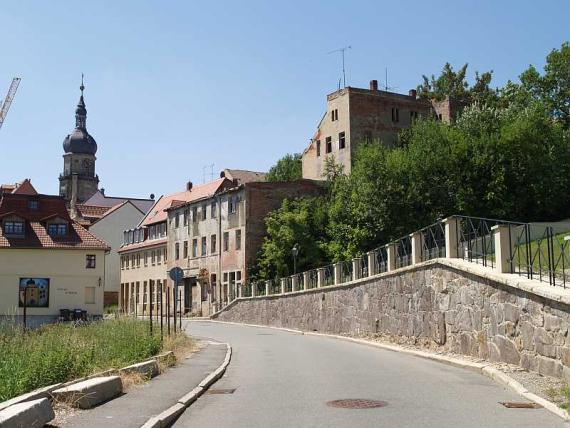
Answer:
(135, 407)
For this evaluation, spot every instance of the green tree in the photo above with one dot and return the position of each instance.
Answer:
(449, 83)
(288, 168)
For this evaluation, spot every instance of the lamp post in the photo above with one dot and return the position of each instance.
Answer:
(295, 252)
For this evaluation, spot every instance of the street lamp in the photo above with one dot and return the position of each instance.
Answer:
(295, 252)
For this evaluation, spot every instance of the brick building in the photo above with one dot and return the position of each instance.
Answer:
(354, 115)
(215, 239)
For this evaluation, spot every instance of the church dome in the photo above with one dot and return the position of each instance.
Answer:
(79, 141)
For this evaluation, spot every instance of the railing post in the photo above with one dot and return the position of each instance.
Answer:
(391, 256)
(451, 237)
(356, 268)
(239, 291)
(283, 285)
(267, 287)
(320, 277)
(295, 283)
(306, 278)
(337, 273)
(417, 243)
(372, 268)
(253, 289)
(502, 248)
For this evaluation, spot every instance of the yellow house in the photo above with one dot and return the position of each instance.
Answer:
(49, 264)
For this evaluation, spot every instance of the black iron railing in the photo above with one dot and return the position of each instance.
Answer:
(433, 241)
(313, 279)
(345, 271)
(328, 275)
(403, 252)
(381, 259)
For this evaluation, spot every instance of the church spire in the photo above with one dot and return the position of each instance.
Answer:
(81, 111)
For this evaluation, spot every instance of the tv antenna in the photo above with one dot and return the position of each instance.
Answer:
(342, 50)
(211, 166)
(386, 87)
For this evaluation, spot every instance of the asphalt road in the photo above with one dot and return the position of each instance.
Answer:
(284, 379)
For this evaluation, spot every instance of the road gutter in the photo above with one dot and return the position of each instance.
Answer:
(482, 368)
(167, 417)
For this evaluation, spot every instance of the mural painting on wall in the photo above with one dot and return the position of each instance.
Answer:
(36, 290)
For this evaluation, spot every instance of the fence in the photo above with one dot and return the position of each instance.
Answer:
(538, 251)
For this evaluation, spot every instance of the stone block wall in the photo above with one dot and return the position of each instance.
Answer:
(434, 305)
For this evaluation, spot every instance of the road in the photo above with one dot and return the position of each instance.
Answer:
(284, 379)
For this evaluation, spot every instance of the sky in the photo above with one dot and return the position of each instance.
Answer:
(176, 86)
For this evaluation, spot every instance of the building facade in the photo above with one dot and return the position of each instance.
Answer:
(355, 115)
(48, 262)
(215, 240)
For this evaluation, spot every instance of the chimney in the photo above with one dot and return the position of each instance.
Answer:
(374, 85)
(102, 190)
(413, 93)
(189, 186)
(152, 196)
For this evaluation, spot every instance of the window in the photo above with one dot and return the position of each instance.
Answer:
(195, 214)
(90, 261)
(238, 239)
(33, 205)
(213, 244)
(176, 251)
(89, 295)
(164, 254)
(318, 147)
(14, 228)
(395, 114)
(194, 247)
(204, 249)
(203, 212)
(226, 241)
(225, 277)
(231, 205)
(153, 257)
(146, 258)
(341, 140)
(59, 229)
(176, 220)
(185, 249)
(213, 210)
(334, 115)
(138, 259)
(186, 213)
(328, 145)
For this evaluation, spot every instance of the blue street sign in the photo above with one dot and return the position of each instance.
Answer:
(176, 274)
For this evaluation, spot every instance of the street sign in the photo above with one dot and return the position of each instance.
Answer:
(176, 274)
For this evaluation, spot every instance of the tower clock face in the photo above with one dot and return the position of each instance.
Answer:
(88, 165)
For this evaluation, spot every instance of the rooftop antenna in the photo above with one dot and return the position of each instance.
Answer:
(386, 87)
(342, 50)
(211, 166)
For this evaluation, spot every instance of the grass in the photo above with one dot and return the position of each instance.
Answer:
(58, 353)
(541, 264)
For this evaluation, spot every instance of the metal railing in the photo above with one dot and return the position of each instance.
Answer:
(433, 241)
(288, 284)
(540, 252)
(345, 271)
(247, 289)
(313, 279)
(328, 277)
(381, 259)
(260, 288)
(403, 252)
(364, 270)
(300, 281)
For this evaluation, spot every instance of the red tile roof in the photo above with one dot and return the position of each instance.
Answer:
(91, 211)
(36, 235)
(157, 213)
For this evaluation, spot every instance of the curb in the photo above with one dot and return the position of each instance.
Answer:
(482, 368)
(166, 418)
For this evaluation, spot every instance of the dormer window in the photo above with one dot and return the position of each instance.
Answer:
(33, 205)
(13, 227)
(57, 229)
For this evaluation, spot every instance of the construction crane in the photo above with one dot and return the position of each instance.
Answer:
(8, 99)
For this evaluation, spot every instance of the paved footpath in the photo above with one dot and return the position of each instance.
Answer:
(283, 379)
(135, 407)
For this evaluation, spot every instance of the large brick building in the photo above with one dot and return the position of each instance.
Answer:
(354, 115)
(212, 231)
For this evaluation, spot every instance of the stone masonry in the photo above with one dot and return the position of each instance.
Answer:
(432, 304)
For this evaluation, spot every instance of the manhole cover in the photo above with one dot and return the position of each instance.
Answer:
(220, 391)
(520, 405)
(356, 403)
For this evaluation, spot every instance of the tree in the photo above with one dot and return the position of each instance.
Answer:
(288, 168)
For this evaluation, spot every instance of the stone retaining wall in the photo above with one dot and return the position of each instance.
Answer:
(433, 304)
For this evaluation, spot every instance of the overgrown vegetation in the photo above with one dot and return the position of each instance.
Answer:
(288, 168)
(507, 156)
(58, 353)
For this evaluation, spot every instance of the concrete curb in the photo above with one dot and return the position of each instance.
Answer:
(483, 368)
(166, 418)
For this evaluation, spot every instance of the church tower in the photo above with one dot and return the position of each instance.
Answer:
(78, 181)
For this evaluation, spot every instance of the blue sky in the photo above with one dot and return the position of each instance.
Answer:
(172, 86)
